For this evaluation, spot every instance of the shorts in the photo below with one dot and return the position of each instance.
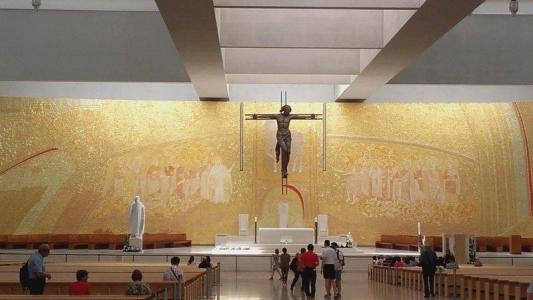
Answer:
(338, 274)
(329, 271)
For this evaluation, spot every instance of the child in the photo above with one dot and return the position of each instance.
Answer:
(285, 260)
(81, 286)
(275, 264)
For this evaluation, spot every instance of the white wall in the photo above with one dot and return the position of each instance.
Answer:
(402, 93)
(99, 90)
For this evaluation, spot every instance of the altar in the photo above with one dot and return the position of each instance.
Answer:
(286, 236)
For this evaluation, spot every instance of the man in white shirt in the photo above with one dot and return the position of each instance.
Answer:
(339, 264)
(174, 273)
(328, 257)
(36, 271)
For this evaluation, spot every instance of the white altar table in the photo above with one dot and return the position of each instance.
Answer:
(286, 235)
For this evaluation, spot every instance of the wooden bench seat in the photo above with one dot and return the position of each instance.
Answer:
(380, 244)
(106, 279)
(398, 242)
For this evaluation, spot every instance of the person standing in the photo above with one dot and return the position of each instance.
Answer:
(310, 262)
(328, 257)
(339, 264)
(284, 262)
(428, 262)
(275, 264)
(36, 271)
(298, 269)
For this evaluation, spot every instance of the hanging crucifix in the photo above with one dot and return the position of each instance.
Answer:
(283, 135)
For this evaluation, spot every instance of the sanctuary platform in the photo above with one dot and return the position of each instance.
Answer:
(241, 258)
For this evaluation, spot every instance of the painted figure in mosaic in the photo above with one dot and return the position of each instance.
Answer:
(283, 135)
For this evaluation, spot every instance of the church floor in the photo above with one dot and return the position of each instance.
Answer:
(256, 286)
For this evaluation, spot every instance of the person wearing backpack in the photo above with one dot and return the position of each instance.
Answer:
(339, 264)
(37, 275)
(297, 268)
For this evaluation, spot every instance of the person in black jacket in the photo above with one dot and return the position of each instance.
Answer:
(428, 262)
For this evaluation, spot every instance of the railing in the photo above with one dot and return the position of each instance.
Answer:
(161, 294)
(199, 287)
(463, 286)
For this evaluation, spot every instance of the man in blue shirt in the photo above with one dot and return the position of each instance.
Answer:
(36, 270)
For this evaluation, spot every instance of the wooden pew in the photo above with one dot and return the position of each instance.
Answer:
(497, 244)
(527, 244)
(17, 242)
(106, 278)
(386, 242)
(488, 282)
(91, 241)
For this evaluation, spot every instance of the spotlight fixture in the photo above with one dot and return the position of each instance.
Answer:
(513, 7)
(35, 4)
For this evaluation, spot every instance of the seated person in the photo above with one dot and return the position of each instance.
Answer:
(137, 287)
(81, 286)
(448, 257)
(191, 260)
(411, 262)
(206, 263)
(174, 272)
(452, 264)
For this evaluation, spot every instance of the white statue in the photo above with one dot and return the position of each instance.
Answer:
(136, 216)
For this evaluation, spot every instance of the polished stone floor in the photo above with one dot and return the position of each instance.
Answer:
(256, 286)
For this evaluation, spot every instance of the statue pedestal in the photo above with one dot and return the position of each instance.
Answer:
(136, 242)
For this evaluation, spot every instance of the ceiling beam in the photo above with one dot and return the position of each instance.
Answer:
(431, 21)
(193, 28)
(320, 4)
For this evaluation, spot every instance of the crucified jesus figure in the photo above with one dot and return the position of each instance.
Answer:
(283, 135)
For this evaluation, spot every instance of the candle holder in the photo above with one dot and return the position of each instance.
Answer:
(255, 230)
(316, 231)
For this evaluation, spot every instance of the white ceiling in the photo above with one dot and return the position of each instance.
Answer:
(291, 41)
(319, 42)
(489, 7)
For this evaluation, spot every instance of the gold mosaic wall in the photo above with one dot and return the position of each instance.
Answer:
(73, 166)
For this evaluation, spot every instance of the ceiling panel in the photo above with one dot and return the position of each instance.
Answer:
(300, 28)
(289, 78)
(291, 61)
